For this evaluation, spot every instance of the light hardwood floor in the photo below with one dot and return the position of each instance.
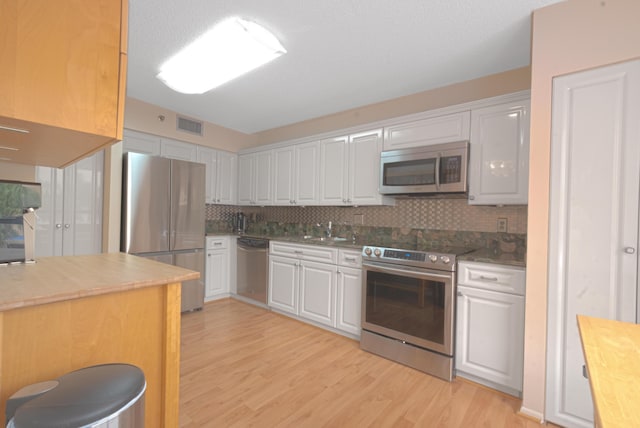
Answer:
(244, 366)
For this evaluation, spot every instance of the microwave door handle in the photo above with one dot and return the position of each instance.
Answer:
(438, 172)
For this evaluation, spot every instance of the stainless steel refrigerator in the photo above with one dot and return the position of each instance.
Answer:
(163, 216)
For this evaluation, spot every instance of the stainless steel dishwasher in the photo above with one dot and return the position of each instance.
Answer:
(252, 268)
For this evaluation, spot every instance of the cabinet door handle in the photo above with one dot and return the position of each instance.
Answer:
(459, 293)
(350, 259)
(217, 243)
(584, 372)
(488, 278)
(298, 251)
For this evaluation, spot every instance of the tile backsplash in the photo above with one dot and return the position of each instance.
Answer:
(437, 214)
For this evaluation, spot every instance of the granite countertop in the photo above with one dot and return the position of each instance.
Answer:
(483, 255)
(54, 279)
(486, 255)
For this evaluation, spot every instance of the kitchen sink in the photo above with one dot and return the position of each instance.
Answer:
(323, 238)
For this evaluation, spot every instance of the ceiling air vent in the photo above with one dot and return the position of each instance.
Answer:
(189, 125)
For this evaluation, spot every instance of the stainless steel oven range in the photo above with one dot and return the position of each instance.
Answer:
(408, 306)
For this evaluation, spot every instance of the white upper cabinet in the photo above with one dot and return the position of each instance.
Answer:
(140, 142)
(499, 157)
(350, 170)
(434, 130)
(254, 178)
(178, 150)
(221, 175)
(295, 171)
(364, 168)
(70, 219)
(334, 170)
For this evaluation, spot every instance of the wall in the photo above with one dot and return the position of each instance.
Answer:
(439, 214)
(16, 171)
(485, 87)
(145, 117)
(567, 37)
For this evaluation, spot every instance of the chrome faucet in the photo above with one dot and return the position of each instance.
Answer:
(327, 229)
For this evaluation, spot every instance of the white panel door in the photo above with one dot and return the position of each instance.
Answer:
(499, 157)
(246, 177)
(283, 176)
(283, 284)
(317, 291)
(226, 179)
(209, 157)
(70, 220)
(490, 336)
(178, 150)
(334, 167)
(263, 181)
(140, 142)
(593, 234)
(217, 274)
(349, 298)
(364, 168)
(307, 175)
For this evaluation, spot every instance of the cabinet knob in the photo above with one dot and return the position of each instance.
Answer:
(471, 197)
(67, 226)
(459, 293)
(629, 250)
(58, 225)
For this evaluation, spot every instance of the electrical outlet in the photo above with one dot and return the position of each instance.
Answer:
(502, 224)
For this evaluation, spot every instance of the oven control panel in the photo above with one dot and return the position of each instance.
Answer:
(414, 258)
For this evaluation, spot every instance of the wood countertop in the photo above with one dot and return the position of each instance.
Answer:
(612, 354)
(54, 279)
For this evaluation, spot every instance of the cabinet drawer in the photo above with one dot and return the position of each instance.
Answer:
(350, 258)
(495, 277)
(217, 243)
(314, 253)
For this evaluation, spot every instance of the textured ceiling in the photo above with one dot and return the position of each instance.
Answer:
(342, 54)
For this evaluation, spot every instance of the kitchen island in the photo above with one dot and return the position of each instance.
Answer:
(64, 313)
(612, 353)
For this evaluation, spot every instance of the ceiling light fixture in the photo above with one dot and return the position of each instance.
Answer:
(230, 49)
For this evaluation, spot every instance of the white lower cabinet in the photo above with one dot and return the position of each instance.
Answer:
(490, 325)
(283, 284)
(218, 268)
(317, 292)
(317, 284)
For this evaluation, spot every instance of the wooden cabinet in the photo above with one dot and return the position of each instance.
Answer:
(295, 171)
(499, 154)
(254, 178)
(222, 173)
(62, 78)
(350, 170)
(593, 223)
(434, 130)
(490, 325)
(70, 219)
(217, 270)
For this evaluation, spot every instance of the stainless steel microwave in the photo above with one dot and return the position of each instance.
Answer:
(436, 169)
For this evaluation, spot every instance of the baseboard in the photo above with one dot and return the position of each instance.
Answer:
(531, 415)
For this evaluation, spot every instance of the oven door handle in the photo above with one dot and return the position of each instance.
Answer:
(403, 272)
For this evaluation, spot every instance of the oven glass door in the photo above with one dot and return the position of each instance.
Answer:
(410, 304)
